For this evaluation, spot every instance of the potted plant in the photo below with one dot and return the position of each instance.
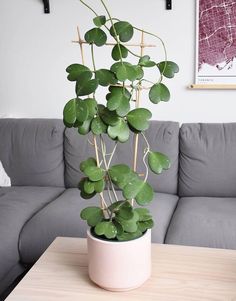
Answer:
(119, 236)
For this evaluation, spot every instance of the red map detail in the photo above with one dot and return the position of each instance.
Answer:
(217, 32)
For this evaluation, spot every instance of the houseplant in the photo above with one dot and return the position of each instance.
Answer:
(117, 222)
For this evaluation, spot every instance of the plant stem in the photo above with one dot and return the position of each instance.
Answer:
(112, 24)
(89, 7)
(103, 146)
(145, 155)
(93, 59)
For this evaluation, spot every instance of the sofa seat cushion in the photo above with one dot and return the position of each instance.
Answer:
(204, 222)
(17, 205)
(62, 218)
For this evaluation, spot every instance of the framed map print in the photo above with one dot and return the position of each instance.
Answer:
(215, 42)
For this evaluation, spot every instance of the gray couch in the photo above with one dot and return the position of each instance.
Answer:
(194, 204)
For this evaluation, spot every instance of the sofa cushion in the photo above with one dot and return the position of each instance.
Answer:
(207, 160)
(204, 222)
(162, 136)
(31, 151)
(17, 206)
(62, 218)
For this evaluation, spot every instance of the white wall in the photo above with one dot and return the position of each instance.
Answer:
(35, 49)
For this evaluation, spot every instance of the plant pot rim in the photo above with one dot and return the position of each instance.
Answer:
(109, 242)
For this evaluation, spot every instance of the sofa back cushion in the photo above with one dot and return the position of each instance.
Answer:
(162, 136)
(31, 151)
(208, 160)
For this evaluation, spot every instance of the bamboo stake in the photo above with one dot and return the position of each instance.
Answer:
(103, 203)
(80, 41)
(137, 104)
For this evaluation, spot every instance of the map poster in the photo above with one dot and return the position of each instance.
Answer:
(216, 42)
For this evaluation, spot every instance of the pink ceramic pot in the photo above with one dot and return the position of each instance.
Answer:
(119, 266)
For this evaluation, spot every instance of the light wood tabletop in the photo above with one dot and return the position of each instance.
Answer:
(178, 273)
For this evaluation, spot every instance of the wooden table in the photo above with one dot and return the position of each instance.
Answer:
(179, 273)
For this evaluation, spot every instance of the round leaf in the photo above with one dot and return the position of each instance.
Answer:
(145, 194)
(129, 236)
(84, 129)
(96, 36)
(105, 77)
(120, 131)
(158, 161)
(116, 52)
(146, 62)
(81, 111)
(139, 118)
(123, 29)
(168, 68)
(91, 106)
(106, 228)
(99, 186)
(99, 21)
(109, 117)
(88, 186)
(126, 71)
(94, 173)
(159, 92)
(93, 215)
(98, 126)
(86, 87)
(75, 70)
(143, 226)
(69, 112)
(87, 163)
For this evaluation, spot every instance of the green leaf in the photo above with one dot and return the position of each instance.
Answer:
(119, 173)
(143, 226)
(91, 106)
(116, 53)
(129, 225)
(139, 72)
(99, 21)
(98, 126)
(88, 186)
(94, 173)
(96, 36)
(146, 62)
(85, 86)
(105, 77)
(126, 71)
(99, 186)
(123, 29)
(159, 92)
(129, 236)
(141, 191)
(106, 228)
(125, 211)
(85, 127)
(93, 215)
(120, 131)
(144, 214)
(168, 68)
(81, 111)
(87, 163)
(145, 194)
(75, 71)
(158, 161)
(108, 117)
(84, 194)
(118, 100)
(69, 112)
(139, 118)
